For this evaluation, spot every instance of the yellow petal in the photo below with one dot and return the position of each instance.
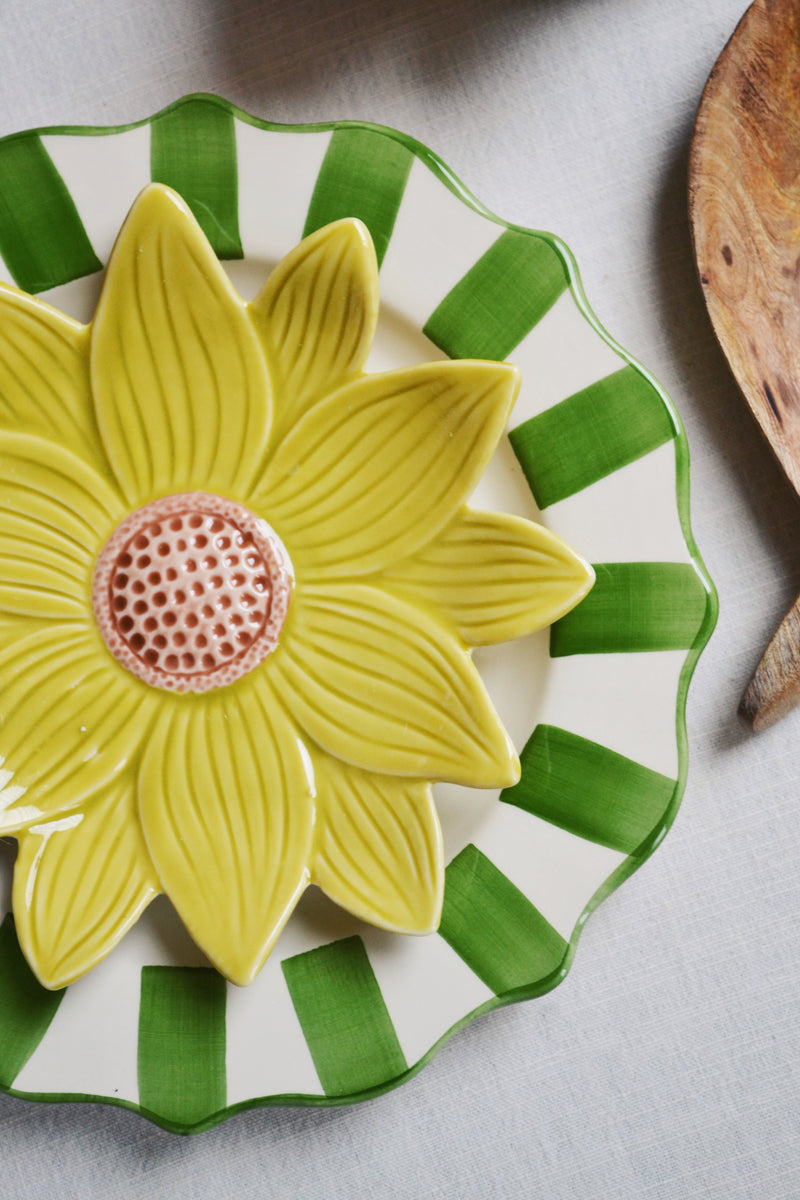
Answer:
(55, 514)
(378, 846)
(380, 684)
(496, 576)
(226, 803)
(376, 470)
(71, 721)
(14, 627)
(80, 883)
(179, 380)
(44, 375)
(316, 316)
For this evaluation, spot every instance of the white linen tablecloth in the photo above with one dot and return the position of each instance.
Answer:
(666, 1066)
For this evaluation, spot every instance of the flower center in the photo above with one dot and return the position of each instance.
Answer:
(191, 592)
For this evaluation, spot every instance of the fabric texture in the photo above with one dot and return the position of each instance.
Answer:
(666, 1066)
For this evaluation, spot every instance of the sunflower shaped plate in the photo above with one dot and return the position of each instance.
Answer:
(594, 452)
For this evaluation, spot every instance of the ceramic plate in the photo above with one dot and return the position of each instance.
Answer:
(595, 451)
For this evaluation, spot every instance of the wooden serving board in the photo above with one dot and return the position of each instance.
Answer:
(744, 198)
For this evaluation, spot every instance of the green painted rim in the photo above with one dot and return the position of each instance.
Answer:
(200, 1012)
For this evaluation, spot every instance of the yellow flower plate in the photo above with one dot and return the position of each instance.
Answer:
(197, 703)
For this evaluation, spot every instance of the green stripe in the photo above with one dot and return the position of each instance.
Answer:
(500, 299)
(26, 1008)
(591, 434)
(589, 790)
(193, 150)
(363, 175)
(489, 923)
(343, 1017)
(182, 1043)
(42, 238)
(632, 607)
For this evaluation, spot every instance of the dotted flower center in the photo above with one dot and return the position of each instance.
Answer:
(191, 592)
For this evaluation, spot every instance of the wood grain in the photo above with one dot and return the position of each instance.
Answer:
(745, 214)
(774, 689)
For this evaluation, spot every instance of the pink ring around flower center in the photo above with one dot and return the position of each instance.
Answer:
(191, 592)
